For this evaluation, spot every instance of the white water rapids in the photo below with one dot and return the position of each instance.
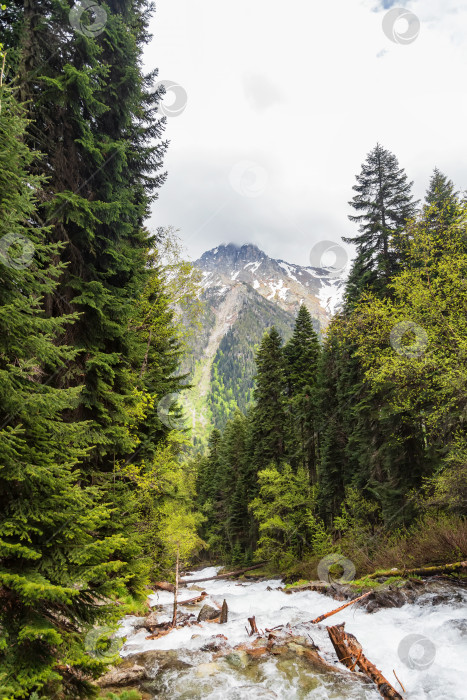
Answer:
(433, 667)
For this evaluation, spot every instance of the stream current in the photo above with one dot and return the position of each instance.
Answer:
(424, 643)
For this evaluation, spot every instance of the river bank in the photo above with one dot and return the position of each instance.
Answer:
(200, 661)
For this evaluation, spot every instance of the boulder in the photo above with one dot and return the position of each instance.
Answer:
(385, 598)
(121, 677)
(208, 613)
(155, 660)
(237, 659)
(151, 621)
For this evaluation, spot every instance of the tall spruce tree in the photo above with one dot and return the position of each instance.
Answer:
(56, 567)
(441, 201)
(301, 355)
(93, 117)
(269, 414)
(383, 203)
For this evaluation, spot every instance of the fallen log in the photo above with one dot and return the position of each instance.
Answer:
(333, 612)
(349, 652)
(197, 599)
(231, 573)
(164, 586)
(423, 571)
(162, 633)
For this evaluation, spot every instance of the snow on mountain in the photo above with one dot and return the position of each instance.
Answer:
(285, 284)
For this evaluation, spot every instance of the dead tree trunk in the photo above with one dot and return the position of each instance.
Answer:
(174, 617)
(254, 629)
(224, 613)
(349, 652)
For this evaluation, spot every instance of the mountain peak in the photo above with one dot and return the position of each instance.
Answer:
(231, 253)
(285, 284)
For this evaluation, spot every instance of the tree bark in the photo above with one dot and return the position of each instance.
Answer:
(349, 652)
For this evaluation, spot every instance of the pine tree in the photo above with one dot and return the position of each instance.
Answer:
(441, 201)
(269, 414)
(56, 566)
(234, 460)
(302, 355)
(94, 119)
(384, 203)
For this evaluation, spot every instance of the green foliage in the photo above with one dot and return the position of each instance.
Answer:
(57, 558)
(282, 509)
(125, 695)
(94, 484)
(346, 446)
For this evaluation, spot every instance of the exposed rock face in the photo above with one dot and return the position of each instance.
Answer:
(208, 613)
(246, 292)
(123, 676)
(286, 284)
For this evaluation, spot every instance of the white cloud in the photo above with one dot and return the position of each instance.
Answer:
(305, 90)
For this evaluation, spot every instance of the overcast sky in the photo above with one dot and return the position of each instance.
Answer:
(284, 101)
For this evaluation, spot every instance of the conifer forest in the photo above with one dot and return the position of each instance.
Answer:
(341, 440)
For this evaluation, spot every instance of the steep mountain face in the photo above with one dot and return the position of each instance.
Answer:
(285, 284)
(246, 292)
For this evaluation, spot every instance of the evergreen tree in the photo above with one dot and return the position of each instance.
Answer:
(441, 201)
(302, 355)
(94, 120)
(383, 202)
(235, 478)
(55, 566)
(269, 414)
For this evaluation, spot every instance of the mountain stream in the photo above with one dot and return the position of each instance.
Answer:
(424, 643)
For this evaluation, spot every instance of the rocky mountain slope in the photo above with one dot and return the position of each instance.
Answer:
(246, 292)
(285, 284)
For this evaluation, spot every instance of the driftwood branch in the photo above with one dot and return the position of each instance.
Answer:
(424, 571)
(346, 605)
(231, 573)
(349, 652)
(399, 681)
